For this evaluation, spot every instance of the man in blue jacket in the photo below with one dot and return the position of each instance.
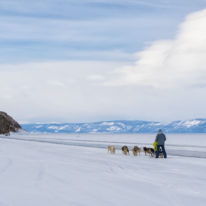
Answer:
(160, 139)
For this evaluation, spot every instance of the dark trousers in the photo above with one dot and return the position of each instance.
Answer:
(163, 151)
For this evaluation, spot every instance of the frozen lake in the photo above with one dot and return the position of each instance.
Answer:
(77, 170)
(190, 145)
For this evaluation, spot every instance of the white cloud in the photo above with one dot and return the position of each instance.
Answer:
(53, 91)
(73, 92)
(170, 63)
(95, 77)
(167, 82)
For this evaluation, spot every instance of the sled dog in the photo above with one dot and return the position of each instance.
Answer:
(148, 150)
(136, 150)
(125, 150)
(111, 149)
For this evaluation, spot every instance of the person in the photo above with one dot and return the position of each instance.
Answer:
(160, 139)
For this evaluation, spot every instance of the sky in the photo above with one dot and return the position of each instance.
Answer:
(97, 60)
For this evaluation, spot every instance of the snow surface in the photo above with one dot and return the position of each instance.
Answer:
(191, 123)
(34, 173)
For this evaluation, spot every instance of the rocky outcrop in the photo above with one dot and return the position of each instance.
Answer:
(8, 124)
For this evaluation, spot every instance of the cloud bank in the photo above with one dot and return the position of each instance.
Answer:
(56, 91)
(166, 82)
(180, 62)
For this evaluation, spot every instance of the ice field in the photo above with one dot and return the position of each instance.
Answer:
(76, 170)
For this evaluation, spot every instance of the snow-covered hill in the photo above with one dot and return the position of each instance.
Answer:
(122, 126)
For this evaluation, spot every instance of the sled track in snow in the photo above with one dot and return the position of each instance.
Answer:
(104, 144)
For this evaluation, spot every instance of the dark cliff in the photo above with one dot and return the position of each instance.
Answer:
(8, 124)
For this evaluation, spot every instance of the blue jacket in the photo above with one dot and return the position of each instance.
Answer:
(160, 139)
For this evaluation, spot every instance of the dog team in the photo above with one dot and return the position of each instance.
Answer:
(157, 151)
(135, 150)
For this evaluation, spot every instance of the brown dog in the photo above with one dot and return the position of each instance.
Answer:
(148, 150)
(111, 149)
(125, 150)
(136, 150)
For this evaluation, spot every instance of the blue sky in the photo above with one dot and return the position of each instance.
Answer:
(63, 30)
(91, 60)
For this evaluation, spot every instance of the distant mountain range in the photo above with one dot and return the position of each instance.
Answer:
(120, 126)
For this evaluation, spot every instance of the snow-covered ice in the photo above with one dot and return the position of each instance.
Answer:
(53, 174)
